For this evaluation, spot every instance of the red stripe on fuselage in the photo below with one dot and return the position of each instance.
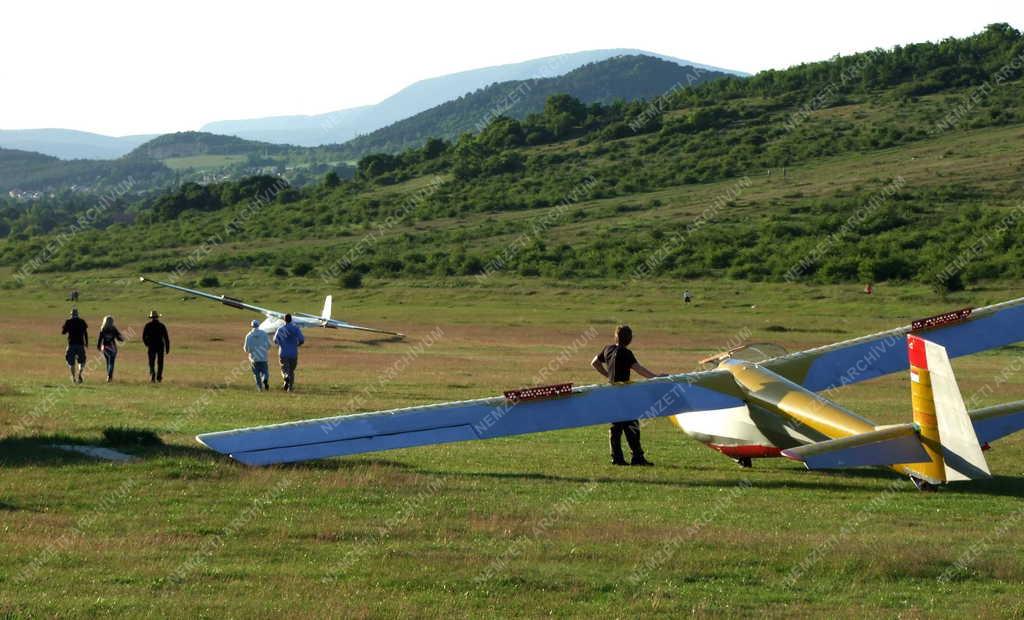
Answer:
(750, 451)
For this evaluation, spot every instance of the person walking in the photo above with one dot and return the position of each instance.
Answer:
(158, 343)
(78, 339)
(107, 343)
(256, 344)
(288, 340)
(615, 362)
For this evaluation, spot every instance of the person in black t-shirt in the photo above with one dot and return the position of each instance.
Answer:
(615, 362)
(154, 336)
(78, 338)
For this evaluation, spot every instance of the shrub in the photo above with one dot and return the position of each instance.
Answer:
(351, 279)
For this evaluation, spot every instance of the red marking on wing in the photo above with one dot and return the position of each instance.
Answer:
(946, 318)
(539, 393)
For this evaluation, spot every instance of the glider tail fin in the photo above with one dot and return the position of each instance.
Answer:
(945, 429)
(326, 314)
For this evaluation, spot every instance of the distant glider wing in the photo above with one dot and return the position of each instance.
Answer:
(227, 301)
(336, 324)
(475, 419)
(879, 354)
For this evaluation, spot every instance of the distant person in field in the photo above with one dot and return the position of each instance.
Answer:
(158, 343)
(107, 343)
(288, 340)
(78, 339)
(615, 362)
(257, 344)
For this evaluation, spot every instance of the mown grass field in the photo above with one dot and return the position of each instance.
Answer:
(202, 161)
(532, 526)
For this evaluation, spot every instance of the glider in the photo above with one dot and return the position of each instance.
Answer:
(275, 318)
(742, 408)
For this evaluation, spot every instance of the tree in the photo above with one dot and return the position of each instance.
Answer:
(434, 148)
(331, 179)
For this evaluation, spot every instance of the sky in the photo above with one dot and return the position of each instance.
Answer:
(122, 68)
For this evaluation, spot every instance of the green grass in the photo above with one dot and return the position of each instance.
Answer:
(533, 525)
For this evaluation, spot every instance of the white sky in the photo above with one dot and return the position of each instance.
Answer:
(151, 67)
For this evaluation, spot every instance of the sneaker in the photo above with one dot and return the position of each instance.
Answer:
(641, 462)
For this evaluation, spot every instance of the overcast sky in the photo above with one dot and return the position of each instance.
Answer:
(146, 67)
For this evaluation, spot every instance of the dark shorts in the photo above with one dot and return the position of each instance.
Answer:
(75, 353)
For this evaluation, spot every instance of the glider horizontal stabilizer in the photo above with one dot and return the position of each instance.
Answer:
(962, 333)
(885, 446)
(474, 419)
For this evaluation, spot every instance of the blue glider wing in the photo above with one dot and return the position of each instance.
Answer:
(475, 419)
(992, 423)
(880, 354)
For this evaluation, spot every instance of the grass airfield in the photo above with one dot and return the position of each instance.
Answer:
(531, 525)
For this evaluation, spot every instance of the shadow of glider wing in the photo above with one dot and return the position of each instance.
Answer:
(880, 354)
(475, 419)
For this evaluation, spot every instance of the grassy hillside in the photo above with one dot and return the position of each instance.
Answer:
(625, 78)
(880, 166)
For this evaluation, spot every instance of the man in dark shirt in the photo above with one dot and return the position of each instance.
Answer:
(615, 362)
(78, 336)
(154, 336)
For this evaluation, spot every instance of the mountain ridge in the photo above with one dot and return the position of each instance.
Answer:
(343, 125)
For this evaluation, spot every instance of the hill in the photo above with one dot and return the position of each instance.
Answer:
(35, 172)
(193, 143)
(167, 160)
(343, 125)
(876, 166)
(69, 144)
(625, 78)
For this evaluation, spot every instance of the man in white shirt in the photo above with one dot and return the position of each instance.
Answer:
(257, 343)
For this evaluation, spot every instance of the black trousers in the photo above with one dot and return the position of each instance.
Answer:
(631, 428)
(156, 363)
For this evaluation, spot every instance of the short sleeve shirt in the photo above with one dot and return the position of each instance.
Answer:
(75, 329)
(619, 361)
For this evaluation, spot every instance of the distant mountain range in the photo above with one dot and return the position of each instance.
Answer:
(343, 125)
(625, 78)
(69, 143)
(333, 127)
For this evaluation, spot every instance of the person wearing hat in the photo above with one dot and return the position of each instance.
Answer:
(78, 338)
(154, 336)
(257, 343)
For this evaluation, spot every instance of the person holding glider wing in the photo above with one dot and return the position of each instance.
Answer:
(615, 362)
